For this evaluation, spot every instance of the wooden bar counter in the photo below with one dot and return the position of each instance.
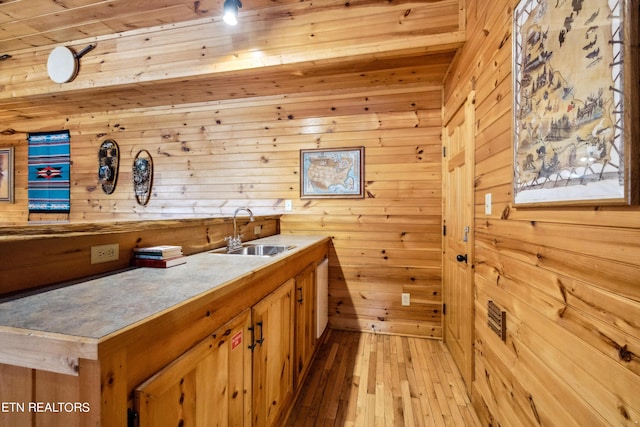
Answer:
(73, 356)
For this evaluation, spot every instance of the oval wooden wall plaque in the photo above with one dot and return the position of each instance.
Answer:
(108, 163)
(142, 176)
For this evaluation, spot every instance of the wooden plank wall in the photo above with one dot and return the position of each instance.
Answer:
(389, 242)
(568, 277)
(213, 157)
(220, 144)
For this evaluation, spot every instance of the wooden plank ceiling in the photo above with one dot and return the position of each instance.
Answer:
(26, 24)
(166, 52)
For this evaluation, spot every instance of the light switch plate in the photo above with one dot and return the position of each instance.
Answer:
(406, 299)
(288, 206)
(487, 204)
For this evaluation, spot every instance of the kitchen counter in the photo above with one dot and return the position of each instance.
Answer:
(72, 321)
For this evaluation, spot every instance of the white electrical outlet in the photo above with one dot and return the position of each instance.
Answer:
(487, 204)
(288, 206)
(406, 299)
(105, 253)
(257, 229)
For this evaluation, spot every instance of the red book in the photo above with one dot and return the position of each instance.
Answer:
(160, 263)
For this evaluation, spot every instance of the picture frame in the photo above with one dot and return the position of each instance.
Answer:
(575, 91)
(6, 175)
(332, 173)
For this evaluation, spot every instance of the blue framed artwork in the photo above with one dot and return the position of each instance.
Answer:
(332, 173)
(49, 172)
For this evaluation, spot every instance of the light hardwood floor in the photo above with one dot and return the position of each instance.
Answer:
(362, 379)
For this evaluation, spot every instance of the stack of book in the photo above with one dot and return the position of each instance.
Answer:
(162, 256)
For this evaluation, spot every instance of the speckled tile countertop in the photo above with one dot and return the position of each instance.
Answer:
(102, 306)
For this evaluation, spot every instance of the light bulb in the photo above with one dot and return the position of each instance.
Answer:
(230, 18)
(231, 11)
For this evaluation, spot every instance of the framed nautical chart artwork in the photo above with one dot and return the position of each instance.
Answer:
(575, 88)
(337, 173)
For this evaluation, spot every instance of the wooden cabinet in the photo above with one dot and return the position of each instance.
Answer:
(272, 355)
(188, 365)
(305, 321)
(209, 385)
(244, 373)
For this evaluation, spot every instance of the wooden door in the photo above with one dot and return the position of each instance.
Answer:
(209, 385)
(272, 355)
(458, 190)
(305, 321)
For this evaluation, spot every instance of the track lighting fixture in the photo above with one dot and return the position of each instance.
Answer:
(231, 11)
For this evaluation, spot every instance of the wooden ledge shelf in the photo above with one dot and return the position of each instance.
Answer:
(10, 233)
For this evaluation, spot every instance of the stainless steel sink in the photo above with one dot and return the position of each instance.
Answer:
(256, 250)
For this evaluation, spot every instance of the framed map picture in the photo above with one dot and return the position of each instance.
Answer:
(575, 102)
(337, 173)
(6, 175)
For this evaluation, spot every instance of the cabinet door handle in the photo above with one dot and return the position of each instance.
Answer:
(261, 339)
(253, 343)
(300, 299)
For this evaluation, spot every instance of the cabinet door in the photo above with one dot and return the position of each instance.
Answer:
(305, 321)
(209, 385)
(272, 368)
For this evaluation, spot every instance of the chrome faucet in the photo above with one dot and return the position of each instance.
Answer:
(235, 242)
